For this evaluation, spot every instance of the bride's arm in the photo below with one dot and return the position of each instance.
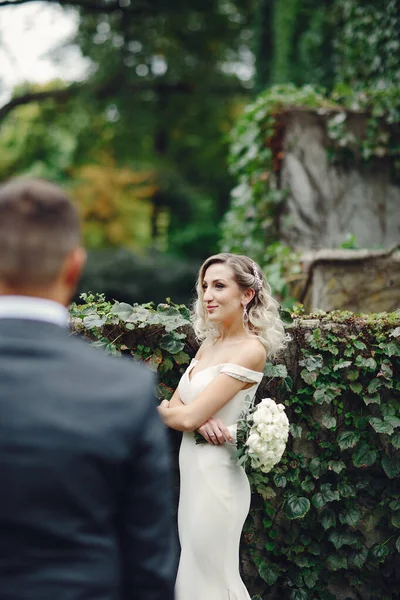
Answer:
(210, 401)
(175, 400)
(213, 397)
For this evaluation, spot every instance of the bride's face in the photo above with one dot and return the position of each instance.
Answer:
(223, 299)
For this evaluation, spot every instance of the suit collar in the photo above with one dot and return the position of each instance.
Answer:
(27, 308)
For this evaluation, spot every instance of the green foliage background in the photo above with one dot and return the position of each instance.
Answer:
(167, 84)
(326, 523)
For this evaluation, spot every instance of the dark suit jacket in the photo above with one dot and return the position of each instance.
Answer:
(85, 503)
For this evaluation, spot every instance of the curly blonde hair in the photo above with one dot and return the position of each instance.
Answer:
(263, 315)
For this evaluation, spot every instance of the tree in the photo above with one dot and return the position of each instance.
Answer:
(163, 92)
(323, 42)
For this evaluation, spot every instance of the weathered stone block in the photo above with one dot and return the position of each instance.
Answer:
(355, 280)
(328, 199)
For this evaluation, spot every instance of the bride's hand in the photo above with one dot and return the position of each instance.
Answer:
(162, 407)
(215, 432)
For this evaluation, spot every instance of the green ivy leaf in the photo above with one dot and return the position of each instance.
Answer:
(166, 365)
(312, 362)
(395, 440)
(392, 349)
(268, 572)
(324, 496)
(356, 387)
(381, 426)
(391, 466)
(122, 310)
(310, 578)
(352, 374)
(392, 420)
(374, 518)
(342, 364)
(398, 544)
(296, 507)
(364, 456)
(395, 504)
(358, 558)
(374, 385)
(329, 422)
(386, 370)
(307, 485)
(346, 490)
(336, 562)
(367, 363)
(343, 538)
(336, 465)
(379, 552)
(271, 370)
(270, 546)
(308, 376)
(328, 518)
(172, 343)
(286, 385)
(395, 520)
(388, 410)
(375, 399)
(280, 481)
(295, 430)
(317, 468)
(351, 517)
(348, 439)
(298, 594)
(181, 358)
(359, 345)
(325, 394)
(302, 560)
(285, 315)
(92, 321)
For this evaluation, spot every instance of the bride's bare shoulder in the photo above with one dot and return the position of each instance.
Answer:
(251, 354)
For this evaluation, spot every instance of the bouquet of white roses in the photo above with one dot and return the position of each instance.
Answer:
(266, 431)
(260, 434)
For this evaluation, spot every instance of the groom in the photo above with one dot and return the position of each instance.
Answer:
(85, 508)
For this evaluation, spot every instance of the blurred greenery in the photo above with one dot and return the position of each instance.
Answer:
(143, 142)
(123, 275)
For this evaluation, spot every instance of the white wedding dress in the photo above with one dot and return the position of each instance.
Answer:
(214, 498)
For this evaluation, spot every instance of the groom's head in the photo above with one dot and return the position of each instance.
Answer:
(40, 245)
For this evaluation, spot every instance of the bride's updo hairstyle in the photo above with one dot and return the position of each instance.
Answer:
(263, 316)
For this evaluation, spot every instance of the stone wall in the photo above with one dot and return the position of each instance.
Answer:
(356, 280)
(329, 199)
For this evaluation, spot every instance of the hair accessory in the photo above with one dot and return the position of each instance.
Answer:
(258, 282)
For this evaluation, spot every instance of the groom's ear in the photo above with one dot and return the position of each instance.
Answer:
(73, 266)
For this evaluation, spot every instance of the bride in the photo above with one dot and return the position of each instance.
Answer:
(238, 321)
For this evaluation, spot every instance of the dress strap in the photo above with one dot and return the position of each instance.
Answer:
(241, 373)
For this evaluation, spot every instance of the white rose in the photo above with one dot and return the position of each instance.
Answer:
(261, 413)
(263, 429)
(267, 402)
(254, 443)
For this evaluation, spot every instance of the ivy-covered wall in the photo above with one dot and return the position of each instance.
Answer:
(325, 525)
(300, 157)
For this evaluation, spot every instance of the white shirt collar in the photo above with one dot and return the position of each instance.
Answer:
(35, 309)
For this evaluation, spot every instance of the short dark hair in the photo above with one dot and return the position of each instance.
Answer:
(39, 227)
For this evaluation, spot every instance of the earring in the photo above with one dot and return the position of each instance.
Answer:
(245, 315)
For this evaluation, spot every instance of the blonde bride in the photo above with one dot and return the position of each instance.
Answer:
(238, 322)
